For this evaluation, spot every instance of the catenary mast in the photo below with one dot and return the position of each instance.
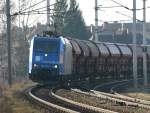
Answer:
(9, 41)
(96, 21)
(48, 15)
(144, 43)
(134, 46)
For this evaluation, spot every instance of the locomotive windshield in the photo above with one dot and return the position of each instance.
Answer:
(46, 45)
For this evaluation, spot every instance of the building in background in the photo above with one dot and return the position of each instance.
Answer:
(120, 32)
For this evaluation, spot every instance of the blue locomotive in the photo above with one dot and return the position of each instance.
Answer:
(57, 58)
(46, 59)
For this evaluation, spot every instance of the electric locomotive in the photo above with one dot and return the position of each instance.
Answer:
(46, 59)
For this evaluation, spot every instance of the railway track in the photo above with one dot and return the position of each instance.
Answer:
(49, 106)
(46, 98)
(141, 101)
(116, 97)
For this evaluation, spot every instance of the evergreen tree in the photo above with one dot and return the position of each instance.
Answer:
(60, 10)
(74, 25)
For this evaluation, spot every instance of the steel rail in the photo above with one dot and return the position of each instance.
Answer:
(136, 100)
(47, 104)
(116, 98)
(83, 106)
(122, 100)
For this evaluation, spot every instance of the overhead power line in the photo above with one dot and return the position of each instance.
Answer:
(121, 5)
(32, 6)
(109, 6)
(115, 21)
(34, 21)
(127, 16)
(34, 10)
(38, 12)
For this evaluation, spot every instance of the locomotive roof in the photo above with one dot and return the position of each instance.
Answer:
(36, 37)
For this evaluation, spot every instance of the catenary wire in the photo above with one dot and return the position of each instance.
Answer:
(17, 13)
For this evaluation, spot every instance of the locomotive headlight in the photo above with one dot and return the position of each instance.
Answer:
(35, 65)
(55, 66)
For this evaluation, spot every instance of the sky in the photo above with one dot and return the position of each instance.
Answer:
(105, 14)
(112, 14)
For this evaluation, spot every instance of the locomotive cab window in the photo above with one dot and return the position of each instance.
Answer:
(46, 46)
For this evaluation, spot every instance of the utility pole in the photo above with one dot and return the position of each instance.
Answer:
(96, 21)
(134, 46)
(48, 15)
(9, 41)
(144, 44)
(19, 11)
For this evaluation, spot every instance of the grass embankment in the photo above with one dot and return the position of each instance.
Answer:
(12, 100)
(102, 103)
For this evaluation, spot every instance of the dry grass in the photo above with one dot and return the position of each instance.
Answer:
(141, 92)
(12, 100)
(139, 95)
